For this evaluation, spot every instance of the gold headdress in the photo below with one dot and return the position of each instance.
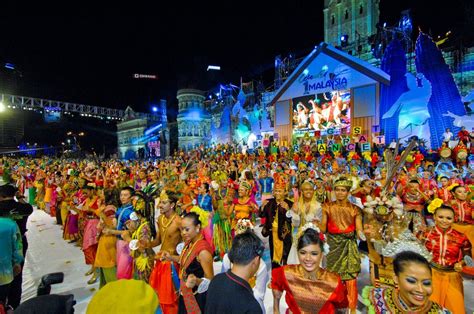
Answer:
(164, 195)
(344, 183)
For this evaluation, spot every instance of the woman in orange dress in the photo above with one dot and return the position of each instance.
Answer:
(309, 288)
(448, 247)
(243, 206)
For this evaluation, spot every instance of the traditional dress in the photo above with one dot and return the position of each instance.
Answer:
(323, 295)
(89, 242)
(143, 259)
(413, 206)
(343, 257)
(124, 260)
(190, 301)
(464, 223)
(106, 249)
(278, 227)
(308, 212)
(448, 248)
(387, 301)
(222, 236)
(243, 209)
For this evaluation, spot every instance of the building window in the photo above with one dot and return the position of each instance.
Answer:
(333, 20)
(361, 9)
(346, 15)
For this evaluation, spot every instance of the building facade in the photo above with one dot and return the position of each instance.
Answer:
(143, 137)
(194, 121)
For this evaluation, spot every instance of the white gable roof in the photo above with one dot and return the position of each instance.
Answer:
(326, 69)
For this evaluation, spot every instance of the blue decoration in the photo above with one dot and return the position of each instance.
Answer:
(445, 95)
(394, 63)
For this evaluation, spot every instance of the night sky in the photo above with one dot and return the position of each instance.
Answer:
(89, 58)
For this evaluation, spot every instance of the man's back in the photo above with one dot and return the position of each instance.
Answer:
(229, 293)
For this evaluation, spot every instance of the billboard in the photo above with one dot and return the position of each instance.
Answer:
(154, 149)
(325, 113)
(52, 115)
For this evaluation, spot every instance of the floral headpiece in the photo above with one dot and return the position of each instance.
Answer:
(383, 206)
(243, 225)
(452, 186)
(322, 237)
(435, 204)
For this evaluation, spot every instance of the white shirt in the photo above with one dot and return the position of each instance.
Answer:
(447, 136)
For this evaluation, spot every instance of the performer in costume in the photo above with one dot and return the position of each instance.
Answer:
(89, 211)
(444, 192)
(243, 206)
(122, 215)
(143, 257)
(414, 201)
(106, 248)
(306, 209)
(196, 266)
(164, 277)
(342, 222)
(222, 199)
(309, 288)
(463, 216)
(415, 286)
(278, 224)
(448, 247)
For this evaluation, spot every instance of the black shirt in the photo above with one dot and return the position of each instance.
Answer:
(228, 293)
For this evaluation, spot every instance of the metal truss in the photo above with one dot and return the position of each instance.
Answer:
(30, 103)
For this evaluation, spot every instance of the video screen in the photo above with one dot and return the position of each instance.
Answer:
(320, 112)
(52, 116)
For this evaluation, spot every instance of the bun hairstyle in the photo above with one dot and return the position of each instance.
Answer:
(194, 217)
(312, 236)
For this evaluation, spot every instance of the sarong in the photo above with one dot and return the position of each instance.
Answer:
(343, 257)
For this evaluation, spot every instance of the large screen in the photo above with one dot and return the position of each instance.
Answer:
(322, 112)
(52, 116)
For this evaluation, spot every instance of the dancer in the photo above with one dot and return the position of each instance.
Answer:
(343, 223)
(309, 288)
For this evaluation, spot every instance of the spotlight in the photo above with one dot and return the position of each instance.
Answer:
(344, 40)
(2, 107)
(154, 109)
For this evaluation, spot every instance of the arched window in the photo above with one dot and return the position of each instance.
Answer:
(361, 9)
(333, 20)
(346, 15)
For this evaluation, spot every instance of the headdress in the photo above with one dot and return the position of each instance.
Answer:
(243, 225)
(245, 185)
(344, 183)
(405, 242)
(280, 181)
(322, 237)
(452, 186)
(435, 204)
(164, 195)
(203, 215)
(383, 206)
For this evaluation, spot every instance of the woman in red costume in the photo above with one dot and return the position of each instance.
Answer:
(448, 247)
(463, 217)
(444, 192)
(309, 288)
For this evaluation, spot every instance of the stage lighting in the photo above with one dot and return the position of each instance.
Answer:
(2, 107)
(344, 40)
(154, 109)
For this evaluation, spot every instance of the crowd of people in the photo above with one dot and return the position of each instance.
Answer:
(167, 222)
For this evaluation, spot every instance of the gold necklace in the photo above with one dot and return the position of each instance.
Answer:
(167, 224)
